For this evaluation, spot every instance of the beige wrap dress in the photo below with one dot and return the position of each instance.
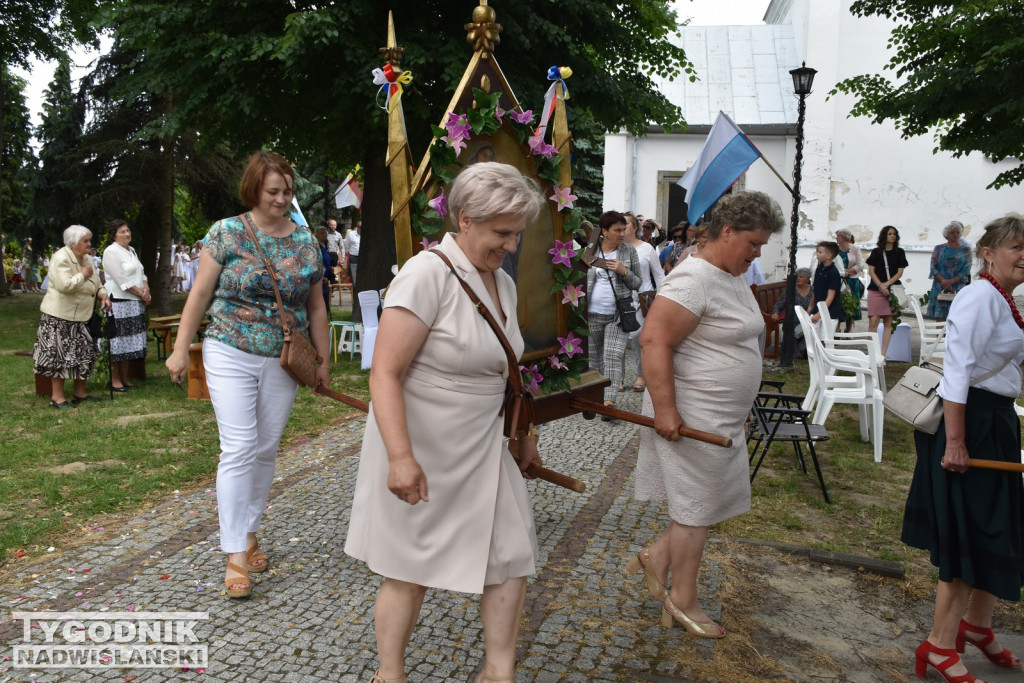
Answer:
(717, 373)
(477, 528)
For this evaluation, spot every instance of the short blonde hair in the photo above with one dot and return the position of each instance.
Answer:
(490, 189)
(999, 232)
(75, 234)
(262, 164)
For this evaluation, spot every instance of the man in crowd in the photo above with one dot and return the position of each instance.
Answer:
(335, 244)
(352, 249)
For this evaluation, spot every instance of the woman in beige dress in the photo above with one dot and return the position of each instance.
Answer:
(702, 362)
(439, 501)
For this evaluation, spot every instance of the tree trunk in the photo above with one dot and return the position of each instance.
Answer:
(377, 246)
(4, 286)
(162, 291)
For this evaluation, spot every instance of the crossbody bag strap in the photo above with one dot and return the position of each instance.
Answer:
(250, 228)
(990, 375)
(515, 378)
(482, 309)
(987, 375)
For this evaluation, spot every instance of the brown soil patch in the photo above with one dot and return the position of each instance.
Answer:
(126, 420)
(78, 467)
(793, 620)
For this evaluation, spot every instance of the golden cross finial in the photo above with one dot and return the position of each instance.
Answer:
(392, 53)
(483, 31)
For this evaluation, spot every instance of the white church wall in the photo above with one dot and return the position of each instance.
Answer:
(856, 175)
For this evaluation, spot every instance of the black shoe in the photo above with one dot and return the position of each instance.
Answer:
(62, 404)
(85, 399)
(119, 390)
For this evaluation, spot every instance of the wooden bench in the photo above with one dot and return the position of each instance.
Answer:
(767, 295)
(162, 328)
(165, 329)
(197, 373)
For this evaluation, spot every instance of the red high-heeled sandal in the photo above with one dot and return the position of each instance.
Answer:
(1004, 659)
(921, 663)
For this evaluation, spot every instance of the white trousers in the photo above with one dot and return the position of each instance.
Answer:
(252, 397)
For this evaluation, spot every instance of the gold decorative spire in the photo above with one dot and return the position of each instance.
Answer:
(483, 32)
(392, 53)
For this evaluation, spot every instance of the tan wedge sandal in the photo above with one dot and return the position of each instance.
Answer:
(378, 679)
(252, 555)
(238, 592)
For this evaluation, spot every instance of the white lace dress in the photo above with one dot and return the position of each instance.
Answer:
(717, 374)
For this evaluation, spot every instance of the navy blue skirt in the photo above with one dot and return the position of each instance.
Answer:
(972, 523)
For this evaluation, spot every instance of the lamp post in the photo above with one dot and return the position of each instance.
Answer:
(803, 78)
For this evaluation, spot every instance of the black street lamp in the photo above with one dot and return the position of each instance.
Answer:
(803, 78)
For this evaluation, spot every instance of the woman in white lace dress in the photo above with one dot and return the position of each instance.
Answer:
(702, 363)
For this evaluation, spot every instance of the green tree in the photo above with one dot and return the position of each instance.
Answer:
(296, 75)
(36, 29)
(54, 188)
(956, 68)
(161, 185)
(16, 158)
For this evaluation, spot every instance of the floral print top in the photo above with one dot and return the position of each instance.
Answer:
(948, 263)
(244, 311)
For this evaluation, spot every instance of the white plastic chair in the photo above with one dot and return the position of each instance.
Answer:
(859, 387)
(933, 335)
(369, 300)
(866, 342)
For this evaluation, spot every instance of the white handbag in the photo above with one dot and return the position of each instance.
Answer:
(915, 398)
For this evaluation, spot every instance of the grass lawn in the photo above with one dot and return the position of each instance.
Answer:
(866, 512)
(65, 470)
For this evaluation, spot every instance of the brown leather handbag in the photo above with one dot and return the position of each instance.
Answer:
(298, 357)
(518, 408)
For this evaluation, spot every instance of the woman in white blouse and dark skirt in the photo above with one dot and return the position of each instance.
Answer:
(972, 520)
(129, 292)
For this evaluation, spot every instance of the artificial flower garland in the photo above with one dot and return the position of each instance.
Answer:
(553, 373)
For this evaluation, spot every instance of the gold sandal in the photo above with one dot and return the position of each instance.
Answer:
(377, 679)
(642, 560)
(701, 629)
(254, 553)
(238, 592)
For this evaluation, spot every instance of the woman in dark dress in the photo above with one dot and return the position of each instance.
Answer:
(972, 520)
(885, 266)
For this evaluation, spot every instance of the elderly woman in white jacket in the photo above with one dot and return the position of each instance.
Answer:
(129, 292)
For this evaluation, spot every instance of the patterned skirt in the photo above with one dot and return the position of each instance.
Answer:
(130, 328)
(64, 349)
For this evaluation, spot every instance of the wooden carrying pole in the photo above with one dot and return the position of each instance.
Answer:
(601, 409)
(544, 473)
(998, 465)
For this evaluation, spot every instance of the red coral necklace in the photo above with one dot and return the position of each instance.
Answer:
(1009, 299)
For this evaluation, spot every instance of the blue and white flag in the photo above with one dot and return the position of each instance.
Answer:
(727, 155)
(297, 213)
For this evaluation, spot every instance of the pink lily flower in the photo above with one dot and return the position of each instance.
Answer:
(570, 345)
(540, 148)
(564, 197)
(524, 117)
(562, 253)
(440, 203)
(571, 295)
